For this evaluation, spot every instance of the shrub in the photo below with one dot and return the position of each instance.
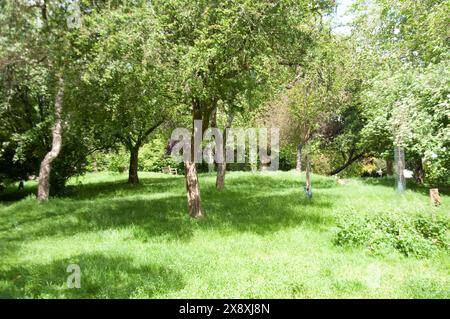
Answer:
(159, 163)
(118, 162)
(287, 160)
(413, 235)
(151, 155)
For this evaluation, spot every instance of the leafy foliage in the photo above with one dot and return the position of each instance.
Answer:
(412, 108)
(418, 236)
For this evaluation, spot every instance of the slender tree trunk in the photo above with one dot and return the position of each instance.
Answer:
(133, 170)
(308, 174)
(94, 164)
(46, 164)
(419, 173)
(220, 179)
(193, 190)
(211, 163)
(400, 168)
(389, 167)
(192, 182)
(213, 166)
(222, 167)
(299, 157)
(214, 118)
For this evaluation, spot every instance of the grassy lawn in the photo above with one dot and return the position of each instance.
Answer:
(260, 239)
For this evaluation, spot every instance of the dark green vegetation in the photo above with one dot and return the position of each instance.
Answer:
(260, 238)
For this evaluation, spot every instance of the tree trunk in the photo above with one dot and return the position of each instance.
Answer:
(94, 164)
(133, 170)
(419, 173)
(46, 164)
(308, 174)
(212, 166)
(308, 190)
(192, 182)
(220, 179)
(299, 158)
(400, 167)
(389, 167)
(214, 118)
(211, 162)
(193, 190)
(222, 167)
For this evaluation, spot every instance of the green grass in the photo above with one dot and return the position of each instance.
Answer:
(260, 239)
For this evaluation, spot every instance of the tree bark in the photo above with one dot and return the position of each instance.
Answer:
(220, 179)
(213, 166)
(192, 182)
(419, 172)
(134, 147)
(400, 167)
(222, 167)
(214, 118)
(389, 167)
(308, 174)
(46, 164)
(299, 157)
(133, 169)
(94, 164)
(193, 190)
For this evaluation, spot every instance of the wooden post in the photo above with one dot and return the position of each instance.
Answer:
(308, 190)
(435, 197)
(400, 168)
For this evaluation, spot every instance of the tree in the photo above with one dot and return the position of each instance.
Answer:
(218, 44)
(316, 96)
(46, 164)
(405, 100)
(129, 76)
(36, 46)
(411, 108)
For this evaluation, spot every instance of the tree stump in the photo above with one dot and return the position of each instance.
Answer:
(435, 197)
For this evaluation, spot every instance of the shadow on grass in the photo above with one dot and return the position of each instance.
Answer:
(154, 217)
(100, 189)
(258, 204)
(101, 277)
(122, 188)
(9, 196)
(265, 213)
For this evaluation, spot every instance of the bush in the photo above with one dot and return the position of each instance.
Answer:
(320, 164)
(151, 155)
(287, 159)
(118, 162)
(417, 236)
(159, 163)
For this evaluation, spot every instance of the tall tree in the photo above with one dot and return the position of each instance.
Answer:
(33, 68)
(315, 96)
(128, 75)
(46, 164)
(406, 99)
(219, 43)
